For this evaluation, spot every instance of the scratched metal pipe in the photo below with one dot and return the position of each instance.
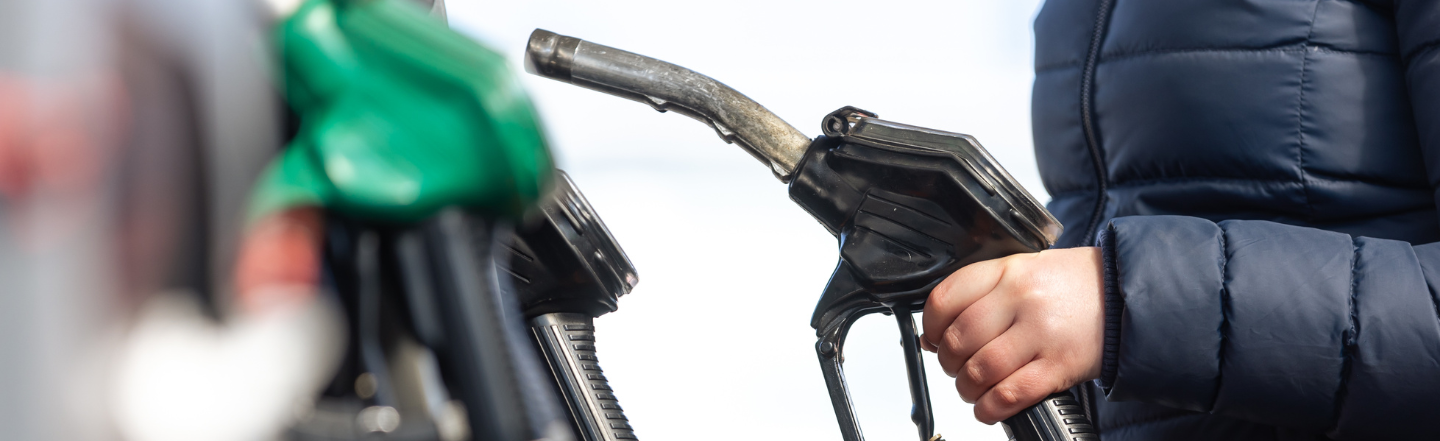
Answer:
(666, 87)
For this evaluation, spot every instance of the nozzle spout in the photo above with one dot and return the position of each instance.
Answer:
(667, 87)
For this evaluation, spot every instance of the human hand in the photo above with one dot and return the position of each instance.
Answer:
(1013, 330)
(279, 260)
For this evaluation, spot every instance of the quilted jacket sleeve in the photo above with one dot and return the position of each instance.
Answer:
(1285, 325)
(1278, 324)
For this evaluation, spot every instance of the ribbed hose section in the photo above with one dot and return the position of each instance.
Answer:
(568, 343)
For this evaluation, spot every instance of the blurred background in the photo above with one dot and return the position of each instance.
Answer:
(715, 341)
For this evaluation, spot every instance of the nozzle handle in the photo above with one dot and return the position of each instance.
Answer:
(1058, 418)
(567, 341)
(664, 86)
(448, 265)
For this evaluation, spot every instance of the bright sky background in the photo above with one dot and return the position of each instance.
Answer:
(715, 342)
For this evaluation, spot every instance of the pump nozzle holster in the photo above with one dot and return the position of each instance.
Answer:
(566, 269)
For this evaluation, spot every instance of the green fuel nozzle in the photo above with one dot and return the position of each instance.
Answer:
(399, 117)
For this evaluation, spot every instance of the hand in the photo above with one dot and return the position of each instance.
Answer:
(279, 262)
(1013, 330)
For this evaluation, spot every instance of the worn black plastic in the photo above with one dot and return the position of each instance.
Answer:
(436, 281)
(568, 343)
(563, 258)
(449, 263)
(1057, 418)
(909, 206)
(566, 269)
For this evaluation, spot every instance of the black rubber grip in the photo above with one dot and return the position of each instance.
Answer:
(568, 342)
(1058, 418)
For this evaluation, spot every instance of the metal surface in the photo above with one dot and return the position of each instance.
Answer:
(920, 412)
(830, 349)
(666, 87)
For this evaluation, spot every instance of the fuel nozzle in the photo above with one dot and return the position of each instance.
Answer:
(909, 206)
(566, 269)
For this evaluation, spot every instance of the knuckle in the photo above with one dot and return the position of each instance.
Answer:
(988, 366)
(1008, 396)
(949, 364)
(967, 394)
(975, 372)
(945, 286)
(988, 413)
(954, 340)
(983, 414)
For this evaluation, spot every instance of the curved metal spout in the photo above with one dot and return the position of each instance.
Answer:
(664, 86)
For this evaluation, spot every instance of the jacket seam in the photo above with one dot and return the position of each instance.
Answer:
(1419, 50)
(1347, 347)
(1300, 115)
(1287, 48)
(1040, 68)
(1148, 182)
(1434, 301)
(1151, 420)
(1224, 320)
(1327, 177)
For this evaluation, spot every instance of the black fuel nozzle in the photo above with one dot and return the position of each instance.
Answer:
(909, 205)
(566, 269)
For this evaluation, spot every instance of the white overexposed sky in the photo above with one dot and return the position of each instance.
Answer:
(715, 342)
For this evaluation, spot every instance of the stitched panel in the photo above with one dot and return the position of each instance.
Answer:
(1059, 37)
(1417, 23)
(1289, 292)
(1060, 150)
(1361, 124)
(1212, 114)
(1150, 25)
(1390, 392)
(1354, 26)
(1192, 427)
(1422, 49)
(1171, 281)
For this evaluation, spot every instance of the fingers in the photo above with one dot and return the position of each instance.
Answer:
(992, 364)
(957, 292)
(1020, 390)
(281, 250)
(982, 322)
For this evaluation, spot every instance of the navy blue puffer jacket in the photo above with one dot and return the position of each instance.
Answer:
(1262, 176)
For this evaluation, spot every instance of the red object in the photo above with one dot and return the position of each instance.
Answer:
(280, 259)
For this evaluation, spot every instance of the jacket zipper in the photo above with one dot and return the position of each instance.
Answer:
(1087, 116)
(1092, 140)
